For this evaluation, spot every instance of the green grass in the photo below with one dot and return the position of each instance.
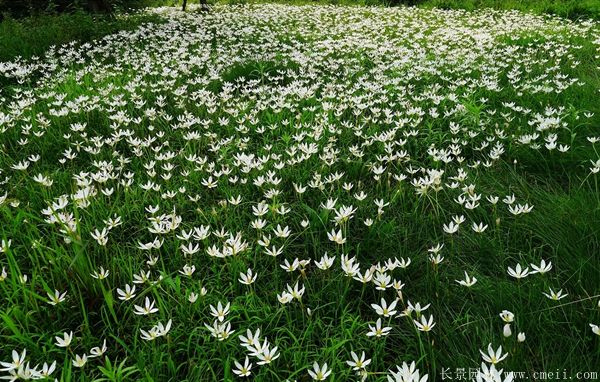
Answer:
(34, 35)
(573, 9)
(564, 226)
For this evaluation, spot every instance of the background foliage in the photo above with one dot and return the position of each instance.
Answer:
(573, 9)
(564, 227)
(33, 35)
(20, 8)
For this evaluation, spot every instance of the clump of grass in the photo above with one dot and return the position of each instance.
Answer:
(256, 118)
(32, 36)
(572, 9)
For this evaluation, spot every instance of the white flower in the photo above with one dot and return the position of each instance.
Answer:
(56, 297)
(336, 237)
(358, 363)
(407, 373)
(507, 316)
(285, 297)
(188, 270)
(425, 325)
(221, 331)
(451, 228)
(156, 331)
(242, 370)
(79, 361)
(17, 361)
(479, 228)
(492, 356)
(251, 340)
(101, 274)
(378, 330)
(247, 278)
(147, 309)
(468, 281)
(319, 373)
(98, 351)
(518, 272)
(326, 262)
(192, 297)
(65, 341)
(542, 268)
(47, 370)
(491, 374)
(267, 355)
(126, 294)
(385, 310)
(220, 312)
(555, 295)
(296, 292)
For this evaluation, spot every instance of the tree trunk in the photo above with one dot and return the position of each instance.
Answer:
(98, 6)
(203, 6)
(184, 5)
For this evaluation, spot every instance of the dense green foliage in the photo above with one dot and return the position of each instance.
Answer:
(20, 8)
(33, 35)
(572, 9)
(296, 96)
(566, 8)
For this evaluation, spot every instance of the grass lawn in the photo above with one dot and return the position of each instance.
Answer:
(33, 36)
(271, 191)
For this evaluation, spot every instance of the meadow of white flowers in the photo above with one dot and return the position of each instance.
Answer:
(302, 193)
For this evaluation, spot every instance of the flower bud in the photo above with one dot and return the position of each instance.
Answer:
(506, 331)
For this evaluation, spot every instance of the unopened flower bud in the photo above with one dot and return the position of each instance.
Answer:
(506, 331)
